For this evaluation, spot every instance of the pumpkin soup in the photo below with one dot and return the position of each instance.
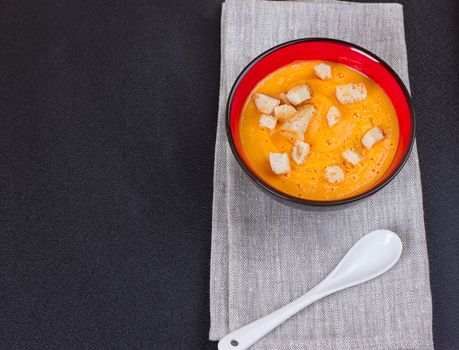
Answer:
(319, 131)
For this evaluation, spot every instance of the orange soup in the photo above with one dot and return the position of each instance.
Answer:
(319, 131)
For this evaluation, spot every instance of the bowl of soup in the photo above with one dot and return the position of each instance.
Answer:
(320, 122)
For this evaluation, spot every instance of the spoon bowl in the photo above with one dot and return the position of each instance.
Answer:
(371, 256)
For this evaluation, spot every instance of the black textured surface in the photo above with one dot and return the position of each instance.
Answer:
(107, 129)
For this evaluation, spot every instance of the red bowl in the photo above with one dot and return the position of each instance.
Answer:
(322, 49)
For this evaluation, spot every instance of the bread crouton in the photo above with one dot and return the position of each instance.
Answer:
(292, 136)
(323, 71)
(265, 104)
(267, 121)
(299, 123)
(280, 164)
(300, 152)
(350, 93)
(298, 94)
(283, 97)
(333, 116)
(306, 111)
(351, 156)
(284, 112)
(334, 174)
(372, 137)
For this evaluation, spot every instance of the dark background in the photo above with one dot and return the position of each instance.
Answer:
(107, 130)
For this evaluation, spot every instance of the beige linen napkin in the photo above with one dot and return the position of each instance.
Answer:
(265, 254)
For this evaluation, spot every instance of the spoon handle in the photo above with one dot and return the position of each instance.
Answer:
(246, 336)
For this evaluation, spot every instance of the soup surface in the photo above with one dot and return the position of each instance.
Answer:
(326, 142)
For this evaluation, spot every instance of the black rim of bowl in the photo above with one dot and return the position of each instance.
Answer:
(309, 202)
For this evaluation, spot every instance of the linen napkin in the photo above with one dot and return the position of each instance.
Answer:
(265, 254)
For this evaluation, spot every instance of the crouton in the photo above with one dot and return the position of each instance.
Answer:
(292, 136)
(372, 137)
(283, 97)
(267, 121)
(351, 156)
(299, 94)
(323, 71)
(306, 111)
(333, 116)
(300, 151)
(280, 164)
(334, 174)
(350, 93)
(284, 112)
(299, 123)
(265, 104)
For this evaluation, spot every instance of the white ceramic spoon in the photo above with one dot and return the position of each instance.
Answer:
(371, 256)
